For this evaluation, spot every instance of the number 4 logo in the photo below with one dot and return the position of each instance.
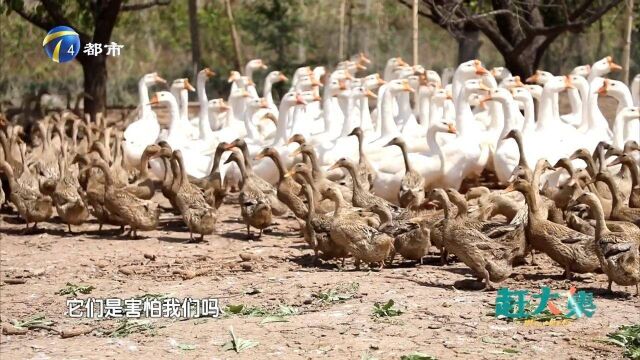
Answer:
(70, 51)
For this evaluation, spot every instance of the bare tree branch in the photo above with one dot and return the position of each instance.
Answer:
(142, 6)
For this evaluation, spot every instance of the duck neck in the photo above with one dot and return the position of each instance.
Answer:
(388, 125)
(346, 104)
(281, 132)
(575, 102)
(463, 112)
(509, 109)
(308, 191)
(176, 177)
(523, 159)
(529, 114)
(184, 105)
(424, 105)
(436, 113)
(216, 160)
(166, 180)
(339, 203)
(354, 178)
(583, 90)
(242, 168)
(252, 132)
(532, 199)
(266, 91)
(108, 177)
(365, 115)
(143, 93)
(461, 204)
(144, 163)
(545, 111)
(597, 120)
(204, 125)
(278, 162)
(405, 157)
(174, 114)
(598, 214)
(315, 167)
(635, 173)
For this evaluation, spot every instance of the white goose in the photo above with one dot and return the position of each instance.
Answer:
(197, 165)
(146, 129)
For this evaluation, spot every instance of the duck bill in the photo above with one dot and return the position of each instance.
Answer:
(568, 83)
(480, 70)
(613, 66)
(188, 86)
(371, 94)
(289, 173)
(407, 87)
(295, 152)
(300, 100)
(334, 166)
(533, 79)
(160, 80)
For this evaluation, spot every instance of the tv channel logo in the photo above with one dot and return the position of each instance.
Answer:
(62, 44)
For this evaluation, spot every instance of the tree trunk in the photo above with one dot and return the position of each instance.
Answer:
(414, 35)
(239, 62)
(195, 36)
(468, 44)
(94, 70)
(626, 49)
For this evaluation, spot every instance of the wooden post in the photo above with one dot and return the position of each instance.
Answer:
(626, 49)
(234, 37)
(415, 32)
(343, 5)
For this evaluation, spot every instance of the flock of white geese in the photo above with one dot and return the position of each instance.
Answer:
(370, 166)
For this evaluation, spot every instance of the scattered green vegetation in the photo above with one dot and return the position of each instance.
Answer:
(186, 347)
(237, 344)
(386, 310)
(544, 316)
(38, 320)
(340, 293)
(510, 351)
(270, 316)
(627, 337)
(367, 356)
(151, 296)
(417, 356)
(74, 290)
(127, 327)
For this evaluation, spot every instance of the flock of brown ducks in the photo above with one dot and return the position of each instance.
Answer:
(591, 223)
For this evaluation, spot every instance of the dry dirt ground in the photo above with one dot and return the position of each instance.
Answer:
(327, 312)
(442, 315)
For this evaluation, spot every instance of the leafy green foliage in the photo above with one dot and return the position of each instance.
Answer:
(74, 290)
(627, 337)
(237, 344)
(386, 310)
